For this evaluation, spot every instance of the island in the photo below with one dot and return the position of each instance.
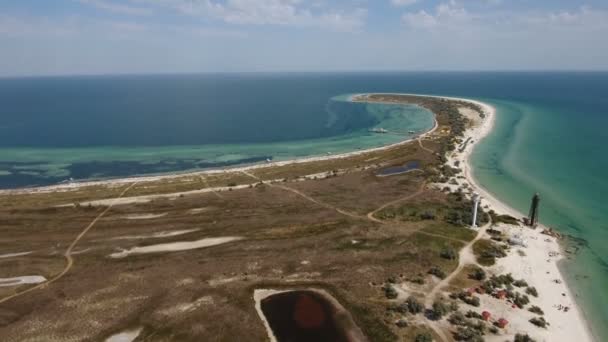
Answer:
(396, 243)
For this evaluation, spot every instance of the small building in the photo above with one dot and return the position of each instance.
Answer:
(486, 315)
(502, 294)
(502, 323)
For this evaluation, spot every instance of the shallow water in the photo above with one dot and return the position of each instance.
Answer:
(550, 136)
(395, 170)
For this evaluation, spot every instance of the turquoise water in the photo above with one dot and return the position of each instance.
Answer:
(550, 136)
(541, 148)
(45, 144)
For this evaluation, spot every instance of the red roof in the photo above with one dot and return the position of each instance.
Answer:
(486, 315)
(502, 322)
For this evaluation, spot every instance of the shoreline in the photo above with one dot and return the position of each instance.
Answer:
(539, 265)
(174, 175)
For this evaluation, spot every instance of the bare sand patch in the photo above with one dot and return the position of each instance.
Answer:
(144, 216)
(14, 255)
(176, 246)
(36, 279)
(125, 336)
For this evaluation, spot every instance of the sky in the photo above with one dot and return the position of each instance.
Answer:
(74, 37)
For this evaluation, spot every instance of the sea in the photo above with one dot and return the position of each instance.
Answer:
(550, 137)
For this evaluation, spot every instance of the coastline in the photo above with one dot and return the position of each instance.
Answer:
(538, 264)
(173, 175)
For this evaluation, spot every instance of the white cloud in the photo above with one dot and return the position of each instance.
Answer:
(269, 12)
(403, 3)
(420, 19)
(117, 7)
(446, 14)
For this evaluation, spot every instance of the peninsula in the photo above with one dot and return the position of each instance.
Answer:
(375, 245)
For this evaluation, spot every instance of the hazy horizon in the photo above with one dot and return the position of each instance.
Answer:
(97, 37)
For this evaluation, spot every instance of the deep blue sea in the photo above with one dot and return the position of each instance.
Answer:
(550, 136)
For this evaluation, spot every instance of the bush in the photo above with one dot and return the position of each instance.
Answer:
(468, 334)
(439, 310)
(520, 283)
(413, 305)
(473, 314)
(448, 253)
(532, 291)
(523, 338)
(535, 309)
(469, 299)
(478, 274)
(457, 318)
(390, 292)
(487, 251)
(436, 271)
(423, 337)
(539, 322)
(520, 300)
(418, 280)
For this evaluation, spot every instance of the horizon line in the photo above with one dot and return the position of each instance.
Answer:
(346, 71)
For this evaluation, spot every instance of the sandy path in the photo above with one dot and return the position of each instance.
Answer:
(371, 214)
(465, 257)
(68, 252)
(204, 180)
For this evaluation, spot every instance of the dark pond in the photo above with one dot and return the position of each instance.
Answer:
(394, 170)
(302, 316)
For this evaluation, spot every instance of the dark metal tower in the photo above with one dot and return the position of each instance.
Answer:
(533, 217)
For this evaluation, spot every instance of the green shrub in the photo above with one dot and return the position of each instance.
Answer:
(520, 283)
(436, 271)
(468, 334)
(457, 318)
(423, 337)
(523, 338)
(390, 292)
(535, 309)
(478, 274)
(473, 314)
(439, 310)
(413, 305)
(448, 253)
(532, 291)
(539, 322)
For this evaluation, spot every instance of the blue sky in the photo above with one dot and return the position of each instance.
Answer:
(161, 36)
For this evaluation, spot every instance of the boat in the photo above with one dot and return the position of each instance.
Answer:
(378, 130)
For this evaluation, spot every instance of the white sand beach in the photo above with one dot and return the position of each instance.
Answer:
(537, 263)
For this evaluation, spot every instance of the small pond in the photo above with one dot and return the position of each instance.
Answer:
(395, 170)
(303, 315)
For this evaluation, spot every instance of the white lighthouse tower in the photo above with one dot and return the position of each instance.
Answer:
(476, 199)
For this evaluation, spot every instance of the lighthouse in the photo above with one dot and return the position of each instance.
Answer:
(533, 216)
(476, 199)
